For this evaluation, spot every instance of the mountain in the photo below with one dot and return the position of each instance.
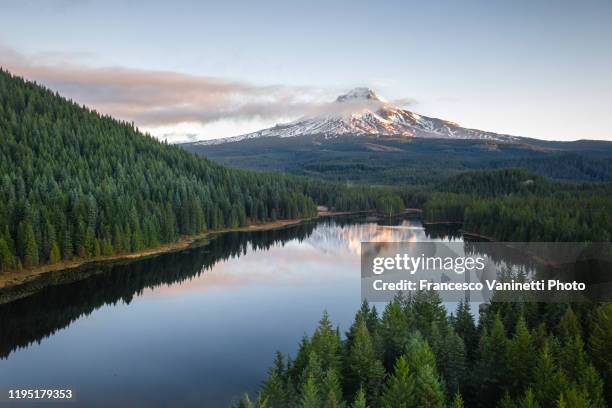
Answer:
(362, 112)
(362, 138)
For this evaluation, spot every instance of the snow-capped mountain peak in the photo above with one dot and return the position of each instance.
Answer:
(361, 112)
(359, 94)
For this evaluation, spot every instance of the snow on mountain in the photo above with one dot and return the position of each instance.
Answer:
(362, 112)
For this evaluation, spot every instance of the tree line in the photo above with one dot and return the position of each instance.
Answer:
(416, 355)
(515, 205)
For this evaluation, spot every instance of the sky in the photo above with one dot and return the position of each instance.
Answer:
(189, 70)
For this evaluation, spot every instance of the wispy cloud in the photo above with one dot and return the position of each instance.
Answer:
(155, 98)
(171, 105)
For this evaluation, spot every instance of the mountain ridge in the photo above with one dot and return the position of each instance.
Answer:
(362, 112)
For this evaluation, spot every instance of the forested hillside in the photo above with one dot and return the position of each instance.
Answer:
(74, 183)
(515, 205)
(414, 161)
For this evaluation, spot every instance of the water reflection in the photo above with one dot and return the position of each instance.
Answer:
(40, 315)
(192, 326)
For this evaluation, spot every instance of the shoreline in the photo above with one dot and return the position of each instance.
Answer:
(13, 279)
(18, 284)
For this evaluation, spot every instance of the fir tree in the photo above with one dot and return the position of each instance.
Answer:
(395, 332)
(521, 356)
(310, 394)
(363, 369)
(398, 392)
(457, 401)
(600, 344)
(360, 400)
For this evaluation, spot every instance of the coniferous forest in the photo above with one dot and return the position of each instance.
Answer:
(76, 184)
(415, 355)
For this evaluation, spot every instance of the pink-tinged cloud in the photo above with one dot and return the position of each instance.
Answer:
(154, 98)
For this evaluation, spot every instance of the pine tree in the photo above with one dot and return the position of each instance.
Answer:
(399, 390)
(427, 390)
(326, 344)
(360, 400)
(454, 370)
(27, 243)
(55, 255)
(547, 381)
(273, 390)
(457, 401)
(521, 356)
(572, 398)
(363, 369)
(600, 344)
(569, 326)
(313, 368)
(6, 257)
(491, 366)
(331, 390)
(466, 328)
(310, 394)
(529, 400)
(244, 402)
(395, 332)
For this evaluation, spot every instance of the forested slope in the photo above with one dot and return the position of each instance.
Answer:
(516, 205)
(74, 183)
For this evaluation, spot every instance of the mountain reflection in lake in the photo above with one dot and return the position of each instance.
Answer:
(200, 325)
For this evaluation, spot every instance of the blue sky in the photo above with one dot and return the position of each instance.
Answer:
(531, 68)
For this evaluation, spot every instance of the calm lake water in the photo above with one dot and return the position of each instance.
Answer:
(196, 326)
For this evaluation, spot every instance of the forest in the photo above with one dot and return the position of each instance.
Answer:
(77, 184)
(518, 355)
(516, 205)
(404, 161)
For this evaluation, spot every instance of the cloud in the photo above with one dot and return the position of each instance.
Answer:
(175, 106)
(154, 98)
(404, 102)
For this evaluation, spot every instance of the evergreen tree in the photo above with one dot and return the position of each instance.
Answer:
(529, 400)
(54, 255)
(326, 344)
(331, 390)
(457, 401)
(569, 326)
(273, 390)
(600, 344)
(398, 392)
(426, 388)
(466, 328)
(395, 332)
(547, 381)
(363, 369)
(6, 257)
(521, 356)
(26, 241)
(360, 400)
(310, 394)
(491, 366)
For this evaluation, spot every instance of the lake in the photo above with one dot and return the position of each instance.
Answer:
(197, 325)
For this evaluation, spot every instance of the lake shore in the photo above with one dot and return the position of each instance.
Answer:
(18, 284)
(24, 276)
